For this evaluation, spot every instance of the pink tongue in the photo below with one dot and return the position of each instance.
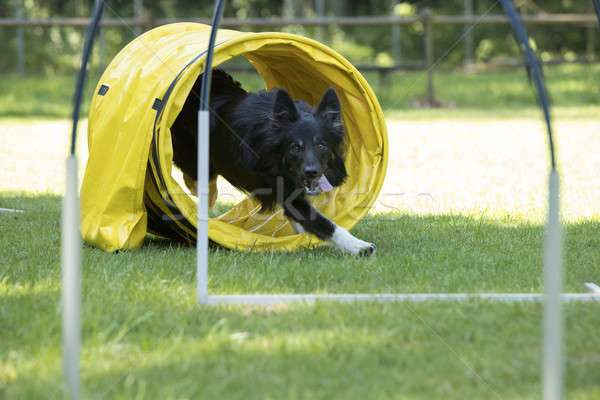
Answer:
(324, 184)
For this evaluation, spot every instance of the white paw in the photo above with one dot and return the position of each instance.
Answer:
(350, 244)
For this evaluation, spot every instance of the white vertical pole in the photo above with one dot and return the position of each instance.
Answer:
(553, 351)
(71, 285)
(203, 196)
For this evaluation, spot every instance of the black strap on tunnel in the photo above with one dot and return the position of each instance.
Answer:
(158, 179)
(103, 90)
(166, 219)
(157, 105)
(162, 224)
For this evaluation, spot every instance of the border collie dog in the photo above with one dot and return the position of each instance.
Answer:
(274, 148)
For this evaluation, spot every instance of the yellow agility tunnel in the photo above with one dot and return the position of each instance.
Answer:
(128, 189)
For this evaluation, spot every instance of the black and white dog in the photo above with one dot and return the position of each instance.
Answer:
(272, 147)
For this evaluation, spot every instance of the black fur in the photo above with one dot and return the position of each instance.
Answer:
(267, 145)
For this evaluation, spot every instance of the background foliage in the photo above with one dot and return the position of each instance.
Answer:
(56, 49)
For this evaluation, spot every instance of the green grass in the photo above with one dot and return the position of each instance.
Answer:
(487, 94)
(569, 86)
(145, 337)
(41, 97)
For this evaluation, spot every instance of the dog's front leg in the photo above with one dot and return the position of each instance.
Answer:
(312, 221)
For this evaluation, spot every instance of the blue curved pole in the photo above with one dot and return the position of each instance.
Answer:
(597, 8)
(87, 51)
(535, 71)
(205, 89)
(553, 342)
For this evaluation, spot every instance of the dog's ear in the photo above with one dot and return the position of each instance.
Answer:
(336, 170)
(284, 109)
(330, 109)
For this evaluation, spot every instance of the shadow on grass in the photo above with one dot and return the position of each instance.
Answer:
(443, 253)
(144, 336)
(355, 351)
(428, 350)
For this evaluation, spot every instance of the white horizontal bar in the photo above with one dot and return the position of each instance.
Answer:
(270, 299)
(10, 210)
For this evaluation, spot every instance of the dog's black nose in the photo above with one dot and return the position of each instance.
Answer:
(311, 172)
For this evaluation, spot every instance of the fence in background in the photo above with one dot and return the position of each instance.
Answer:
(143, 21)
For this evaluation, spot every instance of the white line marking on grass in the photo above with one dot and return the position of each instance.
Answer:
(10, 210)
(271, 299)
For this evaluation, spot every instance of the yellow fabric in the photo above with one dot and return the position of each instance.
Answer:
(121, 125)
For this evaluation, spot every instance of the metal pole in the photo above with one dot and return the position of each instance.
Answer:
(469, 37)
(553, 326)
(71, 295)
(553, 352)
(71, 238)
(203, 196)
(20, 40)
(203, 159)
(426, 19)
(270, 299)
(138, 10)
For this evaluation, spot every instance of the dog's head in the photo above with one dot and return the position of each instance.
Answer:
(311, 141)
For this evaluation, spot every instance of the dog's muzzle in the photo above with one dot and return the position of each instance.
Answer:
(311, 187)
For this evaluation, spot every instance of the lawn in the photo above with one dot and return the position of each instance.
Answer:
(462, 210)
(488, 94)
(145, 337)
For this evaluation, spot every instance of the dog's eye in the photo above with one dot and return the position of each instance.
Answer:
(295, 147)
(322, 146)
